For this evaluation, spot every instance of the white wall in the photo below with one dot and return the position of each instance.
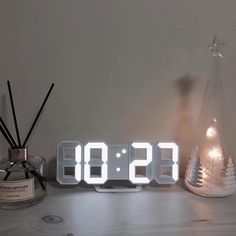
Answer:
(115, 64)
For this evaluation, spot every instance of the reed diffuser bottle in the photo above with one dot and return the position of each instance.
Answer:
(22, 177)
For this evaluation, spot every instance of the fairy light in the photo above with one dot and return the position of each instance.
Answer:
(204, 173)
(211, 132)
(215, 153)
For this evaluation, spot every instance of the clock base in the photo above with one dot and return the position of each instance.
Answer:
(116, 189)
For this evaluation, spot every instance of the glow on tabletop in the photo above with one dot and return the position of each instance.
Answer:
(158, 210)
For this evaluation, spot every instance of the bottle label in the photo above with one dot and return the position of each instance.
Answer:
(20, 190)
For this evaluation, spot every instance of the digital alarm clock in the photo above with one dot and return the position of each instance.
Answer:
(97, 163)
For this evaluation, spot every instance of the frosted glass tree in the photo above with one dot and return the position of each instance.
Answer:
(194, 170)
(211, 170)
(228, 175)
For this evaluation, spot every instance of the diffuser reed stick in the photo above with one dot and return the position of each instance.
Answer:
(14, 113)
(6, 137)
(26, 170)
(38, 114)
(7, 132)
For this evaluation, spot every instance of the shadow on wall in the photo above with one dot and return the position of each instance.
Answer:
(183, 126)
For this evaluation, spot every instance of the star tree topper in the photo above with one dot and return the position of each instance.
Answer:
(216, 47)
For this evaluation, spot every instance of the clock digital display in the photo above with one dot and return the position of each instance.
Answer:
(96, 163)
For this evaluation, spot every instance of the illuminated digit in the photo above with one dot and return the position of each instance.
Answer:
(140, 163)
(169, 163)
(88, 165)
(64, 162)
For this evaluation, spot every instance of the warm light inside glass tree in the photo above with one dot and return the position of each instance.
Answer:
(211, 171)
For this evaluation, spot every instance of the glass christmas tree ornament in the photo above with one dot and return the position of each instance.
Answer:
(210, 171)
(22, 179)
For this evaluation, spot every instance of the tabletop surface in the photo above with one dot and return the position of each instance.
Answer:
(154, 211)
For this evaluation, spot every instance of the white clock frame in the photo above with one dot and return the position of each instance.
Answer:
(116, 162)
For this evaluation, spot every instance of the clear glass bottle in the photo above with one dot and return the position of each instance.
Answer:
(22, 179)
(211, 172)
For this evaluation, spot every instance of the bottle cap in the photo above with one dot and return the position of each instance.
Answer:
(17, 154)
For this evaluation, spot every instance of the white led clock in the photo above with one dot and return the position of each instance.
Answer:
(97, 163)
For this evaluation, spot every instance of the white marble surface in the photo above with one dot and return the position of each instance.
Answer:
(153, 211)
